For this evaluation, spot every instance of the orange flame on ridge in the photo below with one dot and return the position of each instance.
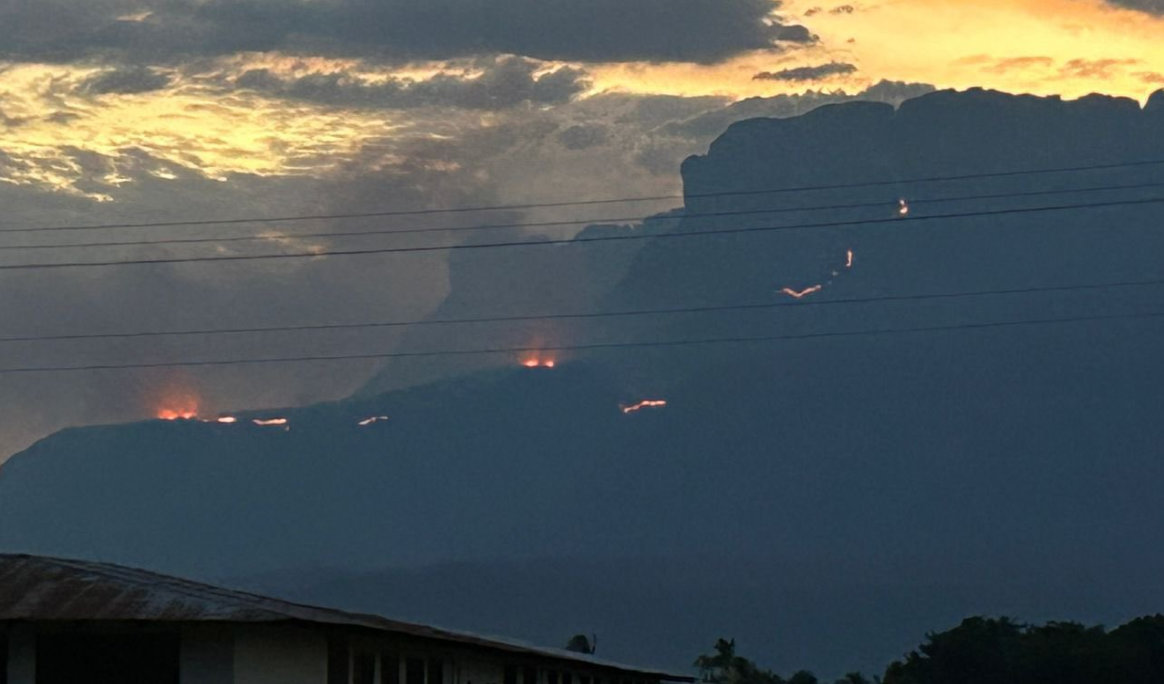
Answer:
(649, 403)
(269, 421)
(801, 294)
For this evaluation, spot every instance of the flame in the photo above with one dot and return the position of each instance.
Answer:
(531, 363)
(849, 259)
(227, 420)
(371, 421)
(902, 208)
(269, 421)
(649, 403)
(174, 399)
(802, 293)
(536, 362)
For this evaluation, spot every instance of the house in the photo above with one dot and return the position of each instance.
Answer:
(70, 621)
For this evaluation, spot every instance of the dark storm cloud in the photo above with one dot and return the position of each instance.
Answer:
(807, 73)
(703, 31)
(126, 81)
(1150, 6)
(504, 83)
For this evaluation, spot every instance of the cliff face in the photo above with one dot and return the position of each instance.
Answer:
(974, 460)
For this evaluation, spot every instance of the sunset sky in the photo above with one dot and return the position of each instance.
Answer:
(162, 110)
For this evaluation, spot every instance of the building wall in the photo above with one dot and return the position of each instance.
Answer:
(479, 671)
(21, 655)
(207, 656)
(287, 654)
(279, 655)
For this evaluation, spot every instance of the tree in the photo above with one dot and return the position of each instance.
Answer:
(725, 667)
(579, 643)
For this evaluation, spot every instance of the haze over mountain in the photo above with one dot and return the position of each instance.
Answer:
(877, 485)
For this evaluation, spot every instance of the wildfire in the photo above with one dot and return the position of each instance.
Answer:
(268, 422)
(849, 259)
(801, 294)
(902, 207)
(174, 399)
(649, 403)
(536, 362)
(227, 420)
(371, 421)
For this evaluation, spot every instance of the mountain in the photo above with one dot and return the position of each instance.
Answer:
(929, 472)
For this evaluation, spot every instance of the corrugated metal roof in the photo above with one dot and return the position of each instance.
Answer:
(55, 589)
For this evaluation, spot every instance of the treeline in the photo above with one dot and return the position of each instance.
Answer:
(991, 651)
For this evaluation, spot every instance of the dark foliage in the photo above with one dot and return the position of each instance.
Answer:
(1002, 651)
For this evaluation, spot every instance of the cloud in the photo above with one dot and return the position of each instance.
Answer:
(584, 136)
(1149, 6)
(158, 31)
(1009, 64)
(126, 81)
(808, 73)
(1045, 67)
(504, 83)
(1094, 68)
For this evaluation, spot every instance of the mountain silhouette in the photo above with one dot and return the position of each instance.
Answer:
(961, 467)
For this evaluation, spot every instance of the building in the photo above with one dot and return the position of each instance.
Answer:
(68, 622)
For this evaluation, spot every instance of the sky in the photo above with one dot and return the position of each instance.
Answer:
(117, 111)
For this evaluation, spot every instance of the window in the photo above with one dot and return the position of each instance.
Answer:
(129, 658)
(529, 676)
(3, 659)
(338, 665)
(389, 669)
(583, 679)
(510, 674)
(364, 668)
(436, 671)
(567, 678)
(414, 671)
(551, 677)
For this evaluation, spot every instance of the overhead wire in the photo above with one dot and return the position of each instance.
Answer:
(718, 232)
(268, 237)
(588, 347)
(587, 315)
(594, 202)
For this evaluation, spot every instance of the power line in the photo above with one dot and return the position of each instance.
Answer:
(589, 347)
(574, 241)
(580, 203)
(552, 224)
(589, 315)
